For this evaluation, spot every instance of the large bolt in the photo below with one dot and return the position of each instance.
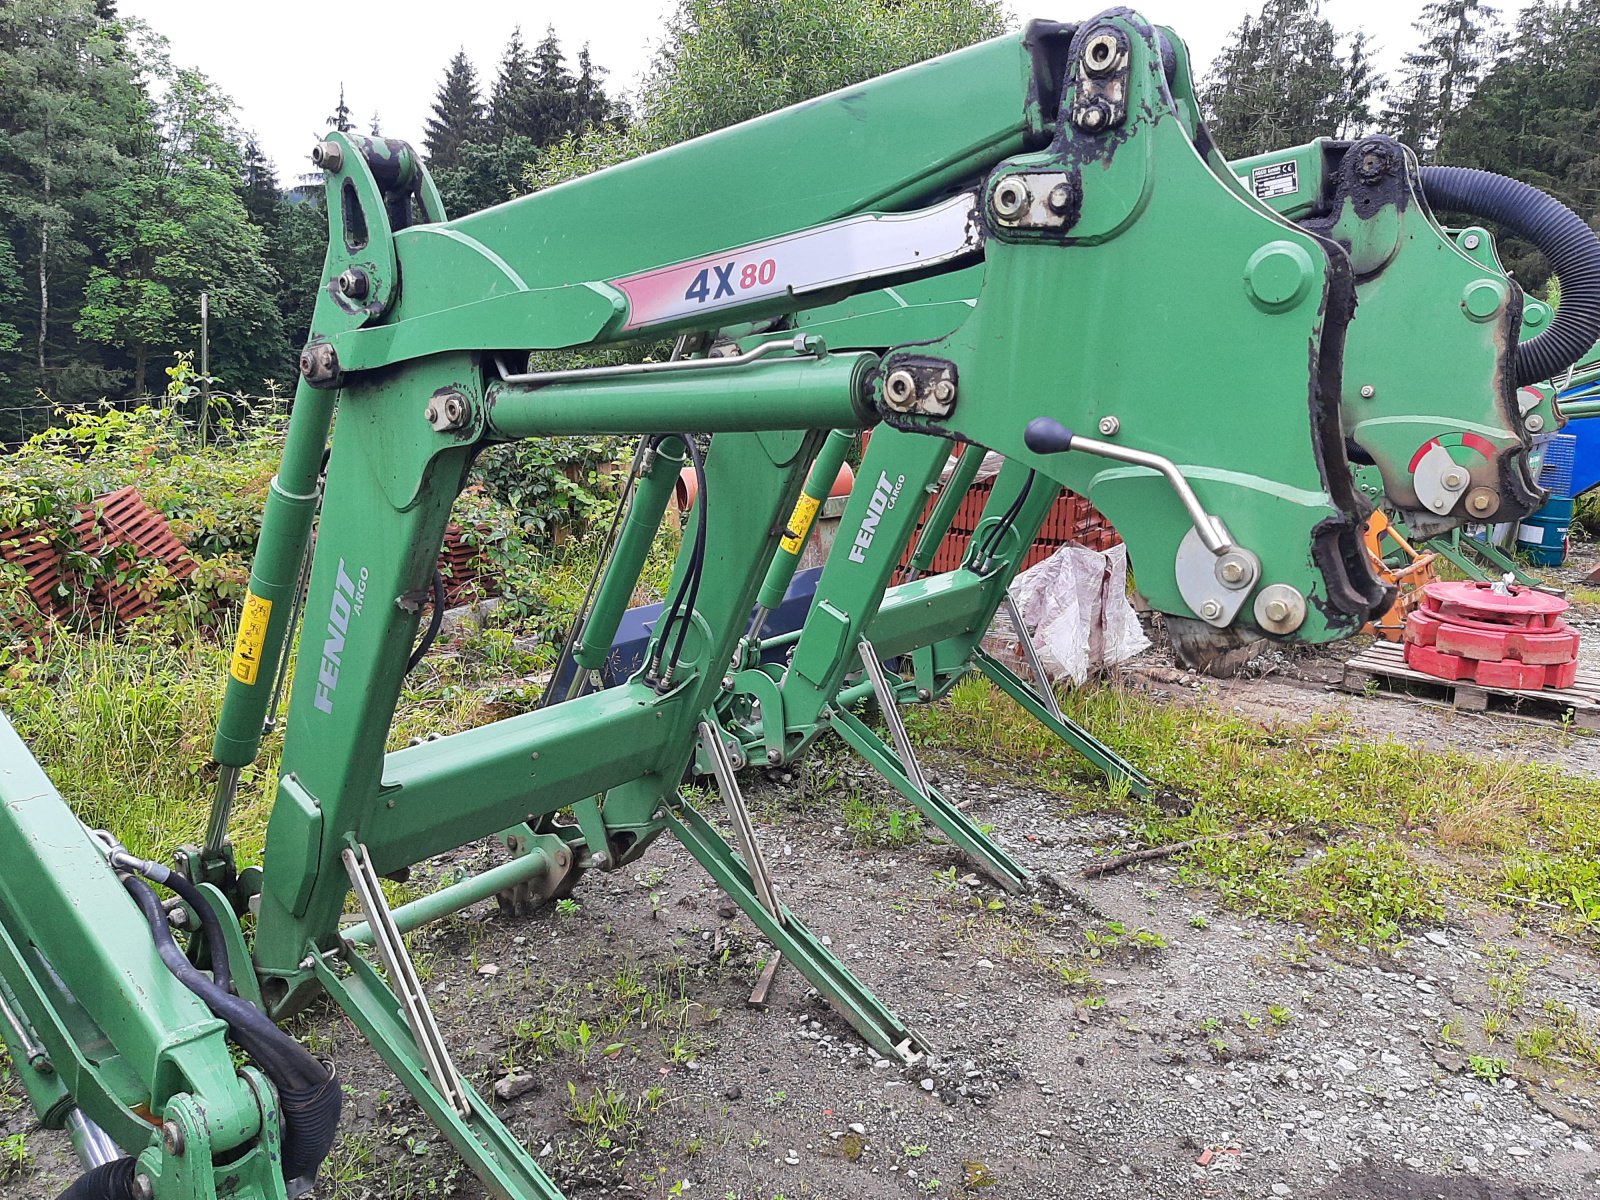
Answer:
(1100, 54)
(328, 155)
(1483, 502)
(1471, 241)
(1093, 115)
(319, 364)
(774, 756)
(1232, 572)
(446, 411)
(1534, 423)
(900, 390)
(355, 283)
(1109, 426)
(1277, 610)
(172, 1138)
(1010, 198)
(1454, 480)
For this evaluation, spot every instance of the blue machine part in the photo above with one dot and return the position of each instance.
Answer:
(1586, 449)
(1556, 462)
(633, 634)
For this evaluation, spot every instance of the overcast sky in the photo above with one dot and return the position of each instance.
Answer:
(283, 62)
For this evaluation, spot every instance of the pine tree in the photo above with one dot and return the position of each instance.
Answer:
(1361, 84)
(457, 114)
(258, 186)
(1278, 82)
(340, 119)
(1441, 73)
(508, 98)
(1536, 116)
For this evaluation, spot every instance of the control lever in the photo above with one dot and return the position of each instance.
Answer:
(1046, 435)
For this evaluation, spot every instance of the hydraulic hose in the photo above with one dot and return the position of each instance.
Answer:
(1560, 234)
(110, 1181)
(308, 1095)
(210, 926)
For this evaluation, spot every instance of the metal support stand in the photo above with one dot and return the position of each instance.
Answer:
(391, 948)
(1111, 764)
(901, 768)
(743, 828)
(1030, 652)
(850, 998)
(890, 707)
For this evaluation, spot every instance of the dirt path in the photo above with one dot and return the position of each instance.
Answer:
(1124, 1037)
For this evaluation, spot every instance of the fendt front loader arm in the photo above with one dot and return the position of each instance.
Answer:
(1122, 281)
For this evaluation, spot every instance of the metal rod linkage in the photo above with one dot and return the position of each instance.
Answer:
(800, 343)
(391, 948)
(892, 717)
(744, 829)
(1030, 652)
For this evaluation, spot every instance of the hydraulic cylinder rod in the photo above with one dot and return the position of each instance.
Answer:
(799, 393)
(824, 470)
(656, 482)
(945, 508)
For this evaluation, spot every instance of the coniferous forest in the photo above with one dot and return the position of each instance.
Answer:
(130, 183)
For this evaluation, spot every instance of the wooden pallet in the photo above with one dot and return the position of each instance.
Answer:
(1384, 664)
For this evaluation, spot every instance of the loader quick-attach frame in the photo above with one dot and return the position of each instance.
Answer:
(1114, 275)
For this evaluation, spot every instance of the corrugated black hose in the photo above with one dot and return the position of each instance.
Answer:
(109, 1181)
(308, 1095)
(1560, 234)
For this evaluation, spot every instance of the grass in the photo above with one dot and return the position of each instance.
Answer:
(1312, 820)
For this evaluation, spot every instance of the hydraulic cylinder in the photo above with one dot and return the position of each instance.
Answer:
(824, 470)
(946, 507)
(650, 496)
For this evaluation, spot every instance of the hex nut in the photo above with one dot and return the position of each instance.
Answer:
(1100, 54)
(1010, 198)
(329, 156)
(172, 1138)
(355, 283)
(1368, 391)
(900, 390)
(1109, 426)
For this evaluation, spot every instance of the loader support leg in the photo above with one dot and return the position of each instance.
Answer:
(952, 822)
(878, 1026)
(1111, 764)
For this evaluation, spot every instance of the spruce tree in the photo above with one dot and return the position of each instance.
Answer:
(508, 98)
(340, 119)
(1278, 82)
(1361, 85)
(258, 186)
(457, 114)
(1440, 74)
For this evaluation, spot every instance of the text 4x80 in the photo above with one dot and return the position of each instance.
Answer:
(716, 281)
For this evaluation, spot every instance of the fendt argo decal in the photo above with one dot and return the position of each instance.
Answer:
(348, 596)
(884, 494)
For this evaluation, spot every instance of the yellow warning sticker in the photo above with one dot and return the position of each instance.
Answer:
(252, 639)
(805, 511)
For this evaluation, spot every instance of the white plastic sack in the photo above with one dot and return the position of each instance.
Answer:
(1075, 603)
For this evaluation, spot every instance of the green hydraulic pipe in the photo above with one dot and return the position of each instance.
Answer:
(946, 507)
(274, 579)
(819, 483)
(828, 392)
(452, 899)
(650, 496)
(1574, 409)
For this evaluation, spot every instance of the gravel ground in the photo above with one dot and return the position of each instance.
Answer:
(1211, 1055)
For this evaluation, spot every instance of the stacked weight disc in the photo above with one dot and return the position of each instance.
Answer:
(1496, 635)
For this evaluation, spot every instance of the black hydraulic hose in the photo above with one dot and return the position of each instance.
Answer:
(109, 1181)
(210, 926)
(435, 623)
(308, 1095)
(1560, 234)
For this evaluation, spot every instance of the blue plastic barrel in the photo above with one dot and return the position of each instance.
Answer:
(1543, 536)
